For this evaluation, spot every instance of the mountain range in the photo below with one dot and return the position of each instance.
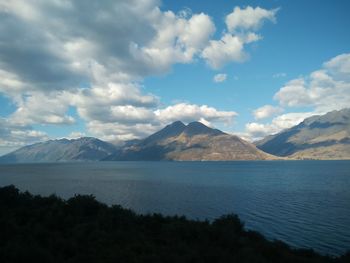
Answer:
(176, 141)
(318, 137)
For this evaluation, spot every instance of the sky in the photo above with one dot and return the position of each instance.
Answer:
(123, 69)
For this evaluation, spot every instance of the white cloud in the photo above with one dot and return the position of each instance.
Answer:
(325, 89)
(220, 77)
(191, 112)
(42, 108)
(266, 112)
(177, 40)
(257, 131)
(220, 52)
(339, 66)
(230, 48)
(293, 94)
(76, 135)
(118, 132)
(249, 18)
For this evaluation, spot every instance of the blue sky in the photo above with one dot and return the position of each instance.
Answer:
(119, 70)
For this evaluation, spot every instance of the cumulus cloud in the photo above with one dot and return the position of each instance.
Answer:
(231, 45)
(220, 52)
(339, 66)
(191, 112)
(43, 109)
(118, 132)
(266, 112)
(220, 77)
(249, 18)
(325, 89)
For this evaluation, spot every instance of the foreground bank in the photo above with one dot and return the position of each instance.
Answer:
(81, 229)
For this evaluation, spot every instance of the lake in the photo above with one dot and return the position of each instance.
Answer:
(304, 203)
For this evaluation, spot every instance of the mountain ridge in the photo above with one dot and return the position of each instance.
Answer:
(61, 150)
(317, 137)
(192, 142)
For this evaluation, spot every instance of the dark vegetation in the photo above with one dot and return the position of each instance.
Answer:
(81, 229)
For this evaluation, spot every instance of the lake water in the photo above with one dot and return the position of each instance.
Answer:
(304, 203)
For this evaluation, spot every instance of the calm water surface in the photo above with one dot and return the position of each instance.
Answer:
(304, 203)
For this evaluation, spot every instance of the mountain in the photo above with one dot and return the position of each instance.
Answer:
(82, 149)
(192, 142)
(318, 137)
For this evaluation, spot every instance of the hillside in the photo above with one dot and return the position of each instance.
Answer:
(194, 142)
(82, 149)
(318, 137)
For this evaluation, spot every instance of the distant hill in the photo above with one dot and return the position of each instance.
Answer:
(318, 137)
(82, 149)
(192, 142)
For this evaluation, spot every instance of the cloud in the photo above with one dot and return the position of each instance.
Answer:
(118, 132)
(230, 48)
(76, 135)
(177, 40)
(339, 66)
(249, 18)
(191, 112)
(266, 112)
(14, 135)
(93, 56)
(220, 77)
(325, 89)
(52, 45)
(114, 102)
(43, 109)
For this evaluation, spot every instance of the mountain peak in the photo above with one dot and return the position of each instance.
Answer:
(177, 124)
(196, 128)
(171, 130)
